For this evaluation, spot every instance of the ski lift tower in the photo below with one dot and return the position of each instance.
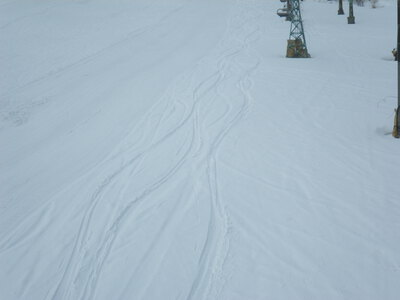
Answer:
(296, 46)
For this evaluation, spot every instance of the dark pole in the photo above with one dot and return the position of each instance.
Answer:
(350, 18)
(396, 129)
(340, 11)
(398, 67)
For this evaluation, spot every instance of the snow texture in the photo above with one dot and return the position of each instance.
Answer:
(168, 150)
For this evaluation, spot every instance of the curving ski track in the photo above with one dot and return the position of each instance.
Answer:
(152, 150)
(176, 144)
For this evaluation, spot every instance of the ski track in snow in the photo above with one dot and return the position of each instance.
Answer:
(209, 276)
(191, 120)
(155, 216)
(129, 36)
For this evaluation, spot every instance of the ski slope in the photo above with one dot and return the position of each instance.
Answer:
(168, 150)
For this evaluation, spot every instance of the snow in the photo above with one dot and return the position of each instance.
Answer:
(169, 150)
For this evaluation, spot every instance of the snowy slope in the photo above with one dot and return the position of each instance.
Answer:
(168, 150)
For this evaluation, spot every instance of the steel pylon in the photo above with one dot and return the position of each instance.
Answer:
(296, 46)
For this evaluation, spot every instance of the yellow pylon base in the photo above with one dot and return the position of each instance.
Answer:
(396, 132)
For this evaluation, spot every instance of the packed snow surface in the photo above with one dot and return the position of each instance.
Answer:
(167, 149)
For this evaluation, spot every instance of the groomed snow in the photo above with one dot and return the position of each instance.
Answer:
(163, 150)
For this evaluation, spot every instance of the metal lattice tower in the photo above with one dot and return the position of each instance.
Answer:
(297, 42)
